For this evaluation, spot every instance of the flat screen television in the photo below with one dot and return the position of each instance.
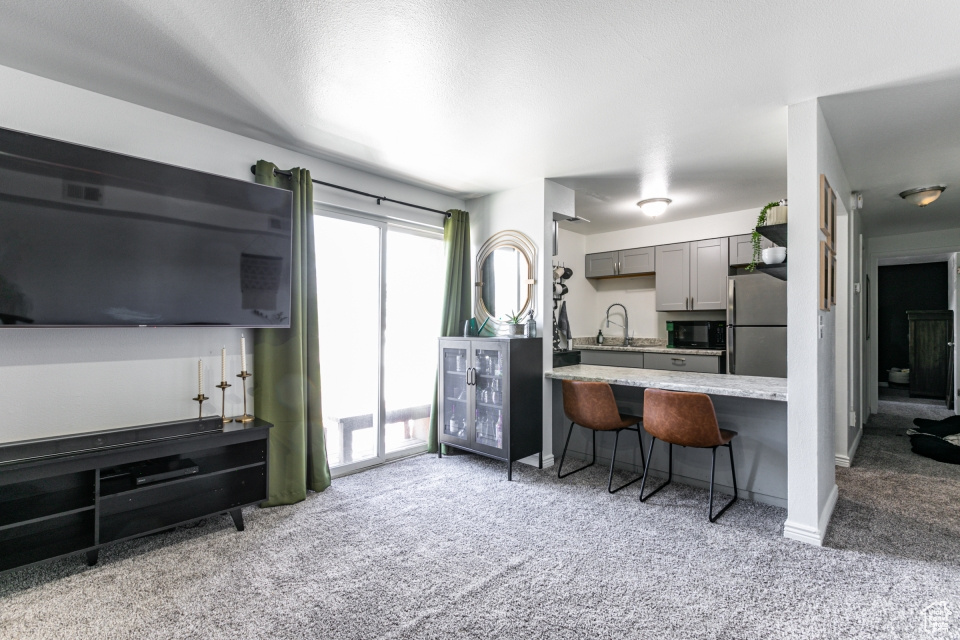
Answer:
(95, 238)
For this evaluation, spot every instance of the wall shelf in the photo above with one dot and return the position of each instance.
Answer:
(778, 271)
(775, 233)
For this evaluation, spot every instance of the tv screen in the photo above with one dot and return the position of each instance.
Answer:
(94, 238)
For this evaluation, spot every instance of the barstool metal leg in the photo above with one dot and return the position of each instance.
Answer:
(733, 472)
(613, 459)
(646, 470)
(643, 459)
(560, 474)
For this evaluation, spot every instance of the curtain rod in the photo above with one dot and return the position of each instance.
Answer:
(253, 170)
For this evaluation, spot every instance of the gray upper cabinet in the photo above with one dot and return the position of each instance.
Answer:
(636, 261)
(673, 277)
(708, 274)
(628, 262)
(600, 265)
(741, 249)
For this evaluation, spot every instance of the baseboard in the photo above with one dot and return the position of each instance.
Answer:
(846, 460)
(811, 535)
(856, 444)
(534, 461)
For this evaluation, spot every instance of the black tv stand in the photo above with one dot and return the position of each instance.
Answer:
(77, 494)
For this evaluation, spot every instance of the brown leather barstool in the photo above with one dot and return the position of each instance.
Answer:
(592, 405)
(688, 420)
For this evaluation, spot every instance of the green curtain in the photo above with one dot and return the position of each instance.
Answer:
(456, 292)
(286, 362)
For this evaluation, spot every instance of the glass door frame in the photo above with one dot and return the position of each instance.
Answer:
(350, 215)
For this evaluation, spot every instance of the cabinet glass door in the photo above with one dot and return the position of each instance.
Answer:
(455, 393)
(489, 361)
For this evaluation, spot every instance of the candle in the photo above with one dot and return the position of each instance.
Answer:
(243, 353)
(223, 364)
(199, 377)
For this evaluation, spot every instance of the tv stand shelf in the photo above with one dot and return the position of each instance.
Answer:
(60, 496)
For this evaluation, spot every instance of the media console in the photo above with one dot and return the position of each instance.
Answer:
(71, 494)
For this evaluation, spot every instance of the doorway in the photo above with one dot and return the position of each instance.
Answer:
(380, 296)
(914, 333)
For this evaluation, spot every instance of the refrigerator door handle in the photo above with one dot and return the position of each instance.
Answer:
(731, 301)
(731, 349)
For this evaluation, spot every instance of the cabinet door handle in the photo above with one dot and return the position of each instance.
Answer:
(679, 360)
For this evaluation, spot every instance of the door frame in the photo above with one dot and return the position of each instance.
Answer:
(383, 224)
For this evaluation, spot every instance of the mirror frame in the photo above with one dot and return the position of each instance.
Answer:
(526, 247)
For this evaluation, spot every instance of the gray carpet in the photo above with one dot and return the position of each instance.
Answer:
(429, 548)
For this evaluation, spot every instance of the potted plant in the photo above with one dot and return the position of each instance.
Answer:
(756, 238)
(514, 324)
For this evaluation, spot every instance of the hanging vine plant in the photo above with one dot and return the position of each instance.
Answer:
(756, 238)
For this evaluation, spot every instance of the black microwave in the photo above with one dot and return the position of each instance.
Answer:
(697, 334)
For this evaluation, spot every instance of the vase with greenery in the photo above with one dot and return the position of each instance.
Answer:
(756, 238)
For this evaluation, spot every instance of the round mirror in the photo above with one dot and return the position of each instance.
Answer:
(505, 277)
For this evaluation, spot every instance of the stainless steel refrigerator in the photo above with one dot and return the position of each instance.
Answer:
(757, 326)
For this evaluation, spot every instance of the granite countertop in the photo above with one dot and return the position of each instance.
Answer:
(641, 345)
(717, 384)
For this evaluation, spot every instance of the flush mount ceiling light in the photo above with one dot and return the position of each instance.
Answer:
(922, 196)
(654, 206)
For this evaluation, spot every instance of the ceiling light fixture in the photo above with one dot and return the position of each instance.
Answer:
(654, 206)
(922, 196)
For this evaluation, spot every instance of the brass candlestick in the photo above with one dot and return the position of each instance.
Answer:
(245, 417)
(200, 398)
(223, 401)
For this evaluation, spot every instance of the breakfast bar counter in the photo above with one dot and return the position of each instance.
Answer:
(754, 407)
(710, 383)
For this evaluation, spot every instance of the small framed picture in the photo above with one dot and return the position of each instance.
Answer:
(825, 261)
(832, 238)
(833, 279)
(828, 210)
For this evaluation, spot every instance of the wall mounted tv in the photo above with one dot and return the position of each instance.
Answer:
(94, 238)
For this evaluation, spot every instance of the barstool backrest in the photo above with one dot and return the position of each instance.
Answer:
(680, 417)
(590, 404)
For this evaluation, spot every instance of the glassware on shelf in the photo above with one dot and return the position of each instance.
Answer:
(460, 362)
(499, 429)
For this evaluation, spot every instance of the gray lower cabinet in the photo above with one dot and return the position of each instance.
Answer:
(708, 274)
(673, 277)
(490, 395)
(670, 362)
(627, 262)
(741, 249)
(612, 358)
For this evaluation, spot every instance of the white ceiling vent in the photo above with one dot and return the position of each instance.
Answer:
(86, 193)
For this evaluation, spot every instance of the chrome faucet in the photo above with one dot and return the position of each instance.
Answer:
(625, 325)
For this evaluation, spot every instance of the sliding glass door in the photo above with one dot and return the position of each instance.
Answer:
(380, 297)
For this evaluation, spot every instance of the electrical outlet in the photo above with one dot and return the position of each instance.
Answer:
(853, 418)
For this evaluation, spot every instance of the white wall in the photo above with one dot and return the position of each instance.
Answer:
(590, 301)
(527, 209)
(849, 412)
(581, 297)
(811, 342)
(58, 381)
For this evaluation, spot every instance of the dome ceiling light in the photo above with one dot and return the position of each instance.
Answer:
(922, 196)
(653, 207)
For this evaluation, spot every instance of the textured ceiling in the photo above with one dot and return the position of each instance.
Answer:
(894, 139)
(622, 99)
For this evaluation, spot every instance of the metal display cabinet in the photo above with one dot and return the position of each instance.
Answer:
(490, 395)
